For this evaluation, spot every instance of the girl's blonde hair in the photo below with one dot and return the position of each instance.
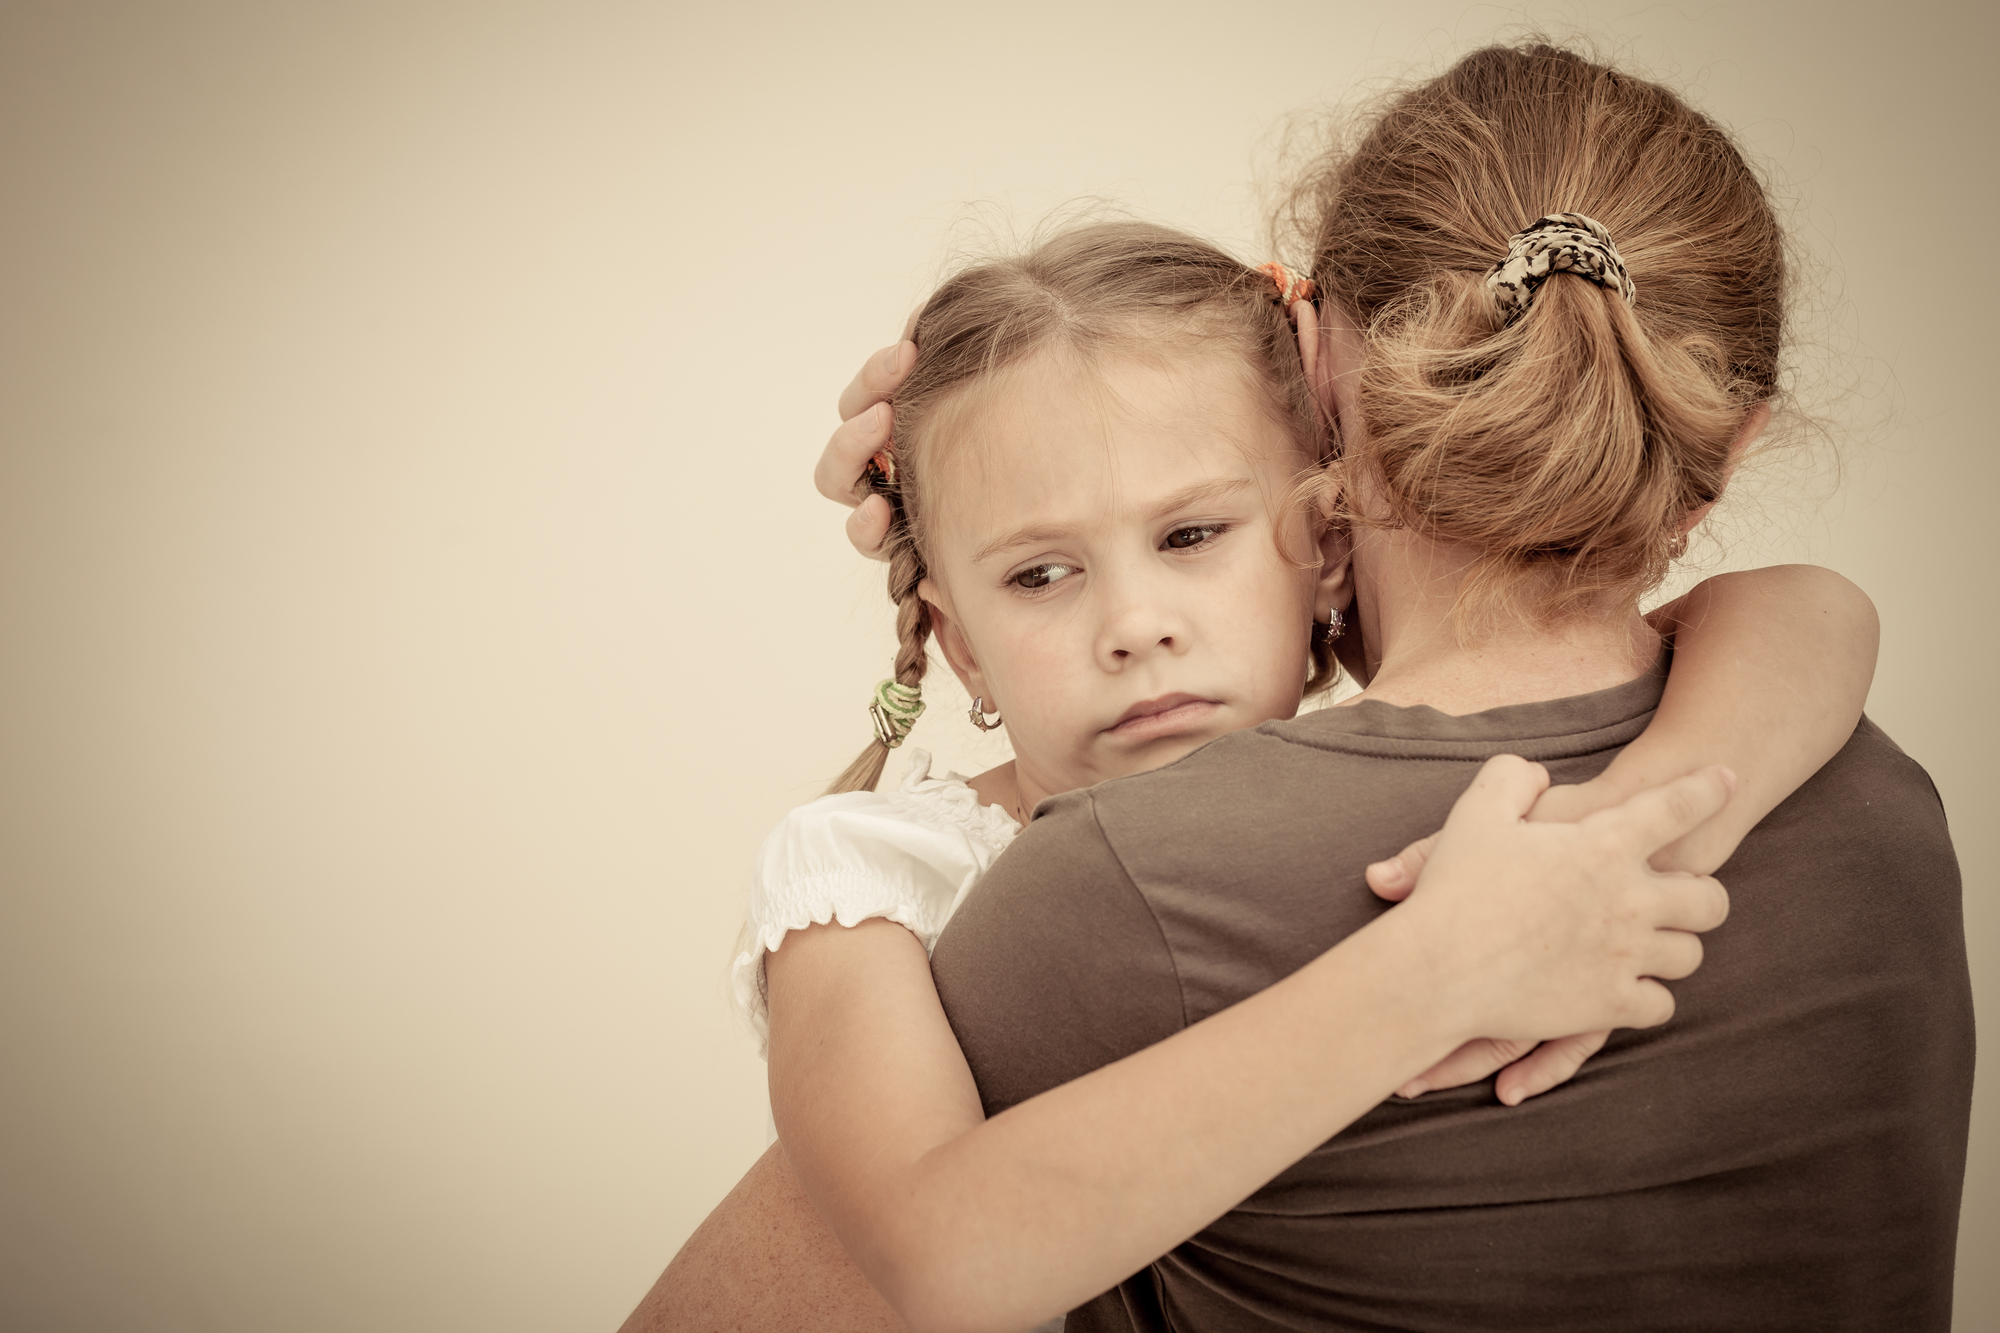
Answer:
(1568, 446)
(1120, 287)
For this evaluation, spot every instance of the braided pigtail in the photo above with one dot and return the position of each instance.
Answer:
(899, 699)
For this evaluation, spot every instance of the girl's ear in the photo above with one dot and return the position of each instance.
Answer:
(1753, 426)
(951, 639)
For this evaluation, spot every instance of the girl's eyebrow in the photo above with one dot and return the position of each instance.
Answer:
(1189, 497)
(1007, 541)
(1201, 493)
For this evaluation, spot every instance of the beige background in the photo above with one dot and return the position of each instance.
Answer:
(414, 607)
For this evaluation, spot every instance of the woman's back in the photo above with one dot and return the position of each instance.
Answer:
(1786, 1153)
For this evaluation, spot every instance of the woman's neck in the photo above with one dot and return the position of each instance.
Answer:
(1405, 590)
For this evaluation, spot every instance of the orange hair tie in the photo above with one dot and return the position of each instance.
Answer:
(1290, 286)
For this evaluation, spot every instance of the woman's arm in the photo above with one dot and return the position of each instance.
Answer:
(763, 1259)
(964, 1223)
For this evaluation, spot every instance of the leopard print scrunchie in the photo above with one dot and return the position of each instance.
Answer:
(1558, 243)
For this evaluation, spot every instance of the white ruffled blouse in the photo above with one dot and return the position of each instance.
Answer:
(908, 855)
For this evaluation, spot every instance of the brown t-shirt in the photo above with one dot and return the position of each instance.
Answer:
(1787, 1153)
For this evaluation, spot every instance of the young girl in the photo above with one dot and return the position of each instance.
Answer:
(1090, 480)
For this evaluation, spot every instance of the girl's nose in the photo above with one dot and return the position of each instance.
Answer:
(1137, 626)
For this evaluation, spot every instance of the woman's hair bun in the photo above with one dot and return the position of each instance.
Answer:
(1573, 288)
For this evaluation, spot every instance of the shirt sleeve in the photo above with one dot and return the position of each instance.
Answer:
(850, 858)
(1023, 971)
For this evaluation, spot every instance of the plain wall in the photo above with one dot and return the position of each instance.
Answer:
(414, 606)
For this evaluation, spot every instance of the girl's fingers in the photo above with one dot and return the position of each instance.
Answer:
(1504, 791)
(1688, 902)
(1674, 954)
(1475, 1060)
(878, 378)
(1549, 1064)
(868, 527)
(1651, 1004)
(1393, 879)
(841, 464)
(1660, 815)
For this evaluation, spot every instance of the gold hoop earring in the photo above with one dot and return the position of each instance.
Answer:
(1335, 623)
(978, 715)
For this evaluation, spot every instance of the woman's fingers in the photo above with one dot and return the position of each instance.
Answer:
(853, 443)
(1548, 1065)
(878, 378)
(868, 527)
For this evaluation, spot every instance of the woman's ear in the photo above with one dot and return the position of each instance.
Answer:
(951, 639)
(1333, 586)
(1753, 426)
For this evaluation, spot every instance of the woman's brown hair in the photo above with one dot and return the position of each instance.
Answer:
(1119, 287)
(1568, 446)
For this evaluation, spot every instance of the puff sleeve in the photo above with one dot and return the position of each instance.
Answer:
(908, 856)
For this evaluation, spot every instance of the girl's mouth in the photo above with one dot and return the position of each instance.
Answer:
(1163, 716)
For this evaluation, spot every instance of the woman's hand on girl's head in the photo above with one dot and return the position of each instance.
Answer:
(866, 419)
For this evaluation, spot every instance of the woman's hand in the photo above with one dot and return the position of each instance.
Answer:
(866, 419)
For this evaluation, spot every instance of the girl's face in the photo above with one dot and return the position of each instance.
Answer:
(1106, 563)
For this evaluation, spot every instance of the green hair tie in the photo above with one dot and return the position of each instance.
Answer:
(895, 708)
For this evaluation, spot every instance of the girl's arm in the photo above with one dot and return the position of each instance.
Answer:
(1771, 668)
(966, 1223)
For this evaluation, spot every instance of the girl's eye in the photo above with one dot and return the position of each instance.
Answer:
(1181, 539)
(1041, 576)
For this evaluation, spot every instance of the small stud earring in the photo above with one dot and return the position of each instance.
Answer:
(978, 715)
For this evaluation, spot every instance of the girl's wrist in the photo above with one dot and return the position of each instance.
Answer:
(1405, 977)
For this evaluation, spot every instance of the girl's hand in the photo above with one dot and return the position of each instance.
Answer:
(865, 421)
(1527, 1069)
